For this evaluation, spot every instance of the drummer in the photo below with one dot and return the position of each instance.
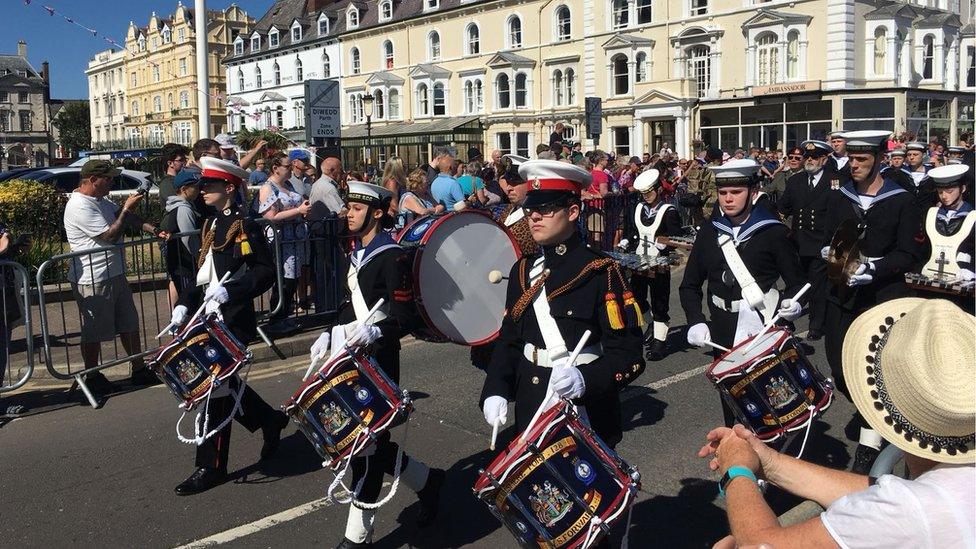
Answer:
(952, 213)
(553, 297)
(890, 244)
(741, 254)
(652, 218)
(378, 269)
(231, 243)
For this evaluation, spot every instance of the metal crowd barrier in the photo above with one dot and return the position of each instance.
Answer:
(14, 315)
(602, 217)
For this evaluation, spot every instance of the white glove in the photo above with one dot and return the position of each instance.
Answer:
(217, 293)
(699, 334)
(790, 310)
(364, 335)
(495, 409)
(660, 246)
(965, 275)
(567, 381)
(321, 346)
(623, 244)
(863, 275)
(824, 252)
(178, 318)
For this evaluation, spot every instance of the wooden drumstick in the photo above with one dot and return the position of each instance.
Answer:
(549, 393)
(776, 317)
(196, 314)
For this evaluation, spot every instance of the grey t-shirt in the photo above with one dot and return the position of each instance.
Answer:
(324, 199)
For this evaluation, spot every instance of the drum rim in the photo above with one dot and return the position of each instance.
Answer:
(784, 333)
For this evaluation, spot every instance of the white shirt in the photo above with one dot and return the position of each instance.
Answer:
(815, 179)
(936, 510)
(86, 217)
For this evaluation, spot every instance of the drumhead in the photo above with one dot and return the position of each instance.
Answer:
(738, 357)
(451, 276)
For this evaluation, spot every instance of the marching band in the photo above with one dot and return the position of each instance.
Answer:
(864, 228)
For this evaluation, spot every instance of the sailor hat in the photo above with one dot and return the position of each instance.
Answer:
(736, 173)
(552, 180)
(866, 141)
(367, 193)
(839, 134)
(917, 146)
(948, 176)
(898, 152)
(515, 159)
(648, 180)
(815, 149)
(955, 149)
(218, 168)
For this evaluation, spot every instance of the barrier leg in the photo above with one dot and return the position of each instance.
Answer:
(271, 345)
(88, 394)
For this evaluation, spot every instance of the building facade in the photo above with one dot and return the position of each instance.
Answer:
(107, 97)
(732, 73)
(160, 72)
(25, 114)
(294, 41)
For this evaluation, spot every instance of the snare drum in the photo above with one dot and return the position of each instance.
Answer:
(642, 264)
(771, 385)
(452, 256)
(547, 489)
(200, 357)
(346, 406)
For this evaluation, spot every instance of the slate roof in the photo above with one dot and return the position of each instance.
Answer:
(10, 64)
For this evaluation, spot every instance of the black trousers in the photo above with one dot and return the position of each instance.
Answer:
(659, 289)
(255, 414)
(383, 462)
(816, 271)
(836, 323)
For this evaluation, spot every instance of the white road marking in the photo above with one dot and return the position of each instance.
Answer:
(681, 376)
(258, 525)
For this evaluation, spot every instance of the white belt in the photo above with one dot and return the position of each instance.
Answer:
(540, 357)
(727, 305)
(870, 259)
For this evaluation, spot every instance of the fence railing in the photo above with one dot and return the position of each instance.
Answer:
(16, 333)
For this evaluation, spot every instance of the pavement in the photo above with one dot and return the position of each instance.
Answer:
(73, 475)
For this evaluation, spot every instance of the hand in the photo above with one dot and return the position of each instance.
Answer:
(164, 235)
(304, 208)
(825, 252)
(728, 449)
(364, 335)
(439, 209)
(567, 381)
(863, 275)
(260, 145)
(178, 317)
(699, 334)
(495, 409)
(623, 244)
(216, 292)
(790, 310)
(660, 246)
(132, 201)
(965, 275)
(321, 346)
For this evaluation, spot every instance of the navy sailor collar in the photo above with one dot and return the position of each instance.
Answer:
(361, 256)
(759, 218)
(887, 190)
(964, 209)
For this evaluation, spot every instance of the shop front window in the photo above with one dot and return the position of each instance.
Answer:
(928, 118)
(874, 113)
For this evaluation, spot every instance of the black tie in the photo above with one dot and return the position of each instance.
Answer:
(811, 181)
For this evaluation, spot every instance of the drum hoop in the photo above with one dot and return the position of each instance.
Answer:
(415, 269)
(783, 335)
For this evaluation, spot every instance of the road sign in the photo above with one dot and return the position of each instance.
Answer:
(594, 116)
(322, 109)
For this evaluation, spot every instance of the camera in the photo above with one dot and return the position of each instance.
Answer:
(144, 187)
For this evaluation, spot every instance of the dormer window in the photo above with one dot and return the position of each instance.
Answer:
(167, 36)
(296, 33)
(142, 43)
(430, 5)
(386, 10)
(255, 43)
(273, 38)
(323, 25)
(239, 47)
(352, 17)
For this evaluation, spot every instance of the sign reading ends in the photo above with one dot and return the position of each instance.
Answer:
(322, 109)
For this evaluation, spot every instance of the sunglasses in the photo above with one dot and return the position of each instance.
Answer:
(795, 157)
(546, 210)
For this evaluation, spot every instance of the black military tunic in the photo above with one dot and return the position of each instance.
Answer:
(659, 286)
(577, 286)
(833, 164)
(919, 185)
(235, 242)
(892, 240)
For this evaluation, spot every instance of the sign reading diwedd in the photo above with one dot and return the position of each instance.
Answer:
(322, 109)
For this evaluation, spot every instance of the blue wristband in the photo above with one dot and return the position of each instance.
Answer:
(733, 472)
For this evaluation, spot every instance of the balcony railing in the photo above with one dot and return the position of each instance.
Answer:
(131, 143)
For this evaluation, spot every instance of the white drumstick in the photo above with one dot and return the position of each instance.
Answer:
(196, 314)
(772, 321)
(495, 276)
(549, 392)
(494, 435)
(716, 345)
(319, 356)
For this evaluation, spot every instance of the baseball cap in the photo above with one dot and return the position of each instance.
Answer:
(186, 177)
(225, 140)
(473, 154)
(298, 154)
(99, 168)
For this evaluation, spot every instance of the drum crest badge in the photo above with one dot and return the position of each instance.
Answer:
(334, 418)
(779, 392)
(584, 471)
(187, 371)
(362, 394)
(211, 352)
(549, 504)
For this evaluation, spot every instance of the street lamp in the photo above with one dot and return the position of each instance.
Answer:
(368, 100)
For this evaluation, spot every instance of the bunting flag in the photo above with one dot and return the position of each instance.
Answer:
(50, 10)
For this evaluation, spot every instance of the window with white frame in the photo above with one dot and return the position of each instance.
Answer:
(257, 76)
(379, 109)
(239, 47)
(472, 43)
(700, 68)
(135, 80)
(928, 56)
(170, 104)
(570, 78)
(970, 66)
(388, 60)
(184, 99)
(155, 73)
(157, 104)
(440, 100)
(180, 36)
(880, 50)
(273, 38)
(423, 100)
(356, 115)
(326, 66)
(503, 142)
(621, 140)
(386, 10)
(473, 96)
(135, 108)
(644, 11)
(280, 117)
(431, 5)
(167, 36)
(142, 43)
(299, 72)
(352, 18)
(323, 25)
(354, 61)
(521, 90)
(767, 59)
(183, 66)
(697, 7)
(503, 91)
(394, 104)
(557, 87)
(522, 143)
(300, 114)
(514, 32)
(433, 46)
(620, 72)
(641, 66)
(255, 43)
(621, 14)
(276, 74)
(296, 33)
(793, 54)
(564, 24)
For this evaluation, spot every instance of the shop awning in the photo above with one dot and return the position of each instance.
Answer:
(438, 130)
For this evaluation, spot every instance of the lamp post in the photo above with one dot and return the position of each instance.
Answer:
(368, 111)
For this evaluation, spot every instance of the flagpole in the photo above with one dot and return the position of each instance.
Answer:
(203, 70)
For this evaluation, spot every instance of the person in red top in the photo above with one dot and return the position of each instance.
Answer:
(600, 186)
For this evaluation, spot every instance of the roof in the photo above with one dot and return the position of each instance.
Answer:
(14, 63)
(766, 17)
(440, 125)
(627, 40)
(283, 13)
(967, 29)
(891, 11)
(385, 78)
(938, 20)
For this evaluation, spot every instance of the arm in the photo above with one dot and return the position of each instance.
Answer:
(785, 202)
(503, 367)
(910, 243)
(271, 210)
(413, 204)
(788, 263)
(399, 294)
(252, 154)
(690, 291)
(186, 221)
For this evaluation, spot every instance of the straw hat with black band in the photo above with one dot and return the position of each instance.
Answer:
(910, 366)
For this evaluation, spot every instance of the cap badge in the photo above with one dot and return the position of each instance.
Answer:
(561, 249)
(811, 147)
(536, 184)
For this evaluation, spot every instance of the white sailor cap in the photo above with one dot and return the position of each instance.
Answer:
(367, 193)
(736, 173)
(872, 141)
(515, 159)
(917, 146)
(551, 180)
(647, 180)
(839, 134)
(898, 152)
(948, 176)
(225, 140)
(218, 168)
(956, 149)
(815, 149)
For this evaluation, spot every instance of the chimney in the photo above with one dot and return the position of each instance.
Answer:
(22, 49)
(44, 71)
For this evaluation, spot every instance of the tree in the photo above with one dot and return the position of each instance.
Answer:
(74, 124)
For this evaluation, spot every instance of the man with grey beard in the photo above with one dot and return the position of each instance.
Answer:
(805, 200)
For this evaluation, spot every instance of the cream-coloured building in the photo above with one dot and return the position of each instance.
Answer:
(729, 72)
(107, 96)
(160, 72)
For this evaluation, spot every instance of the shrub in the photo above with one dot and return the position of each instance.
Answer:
(34, 210)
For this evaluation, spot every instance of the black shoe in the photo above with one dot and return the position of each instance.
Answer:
(272, 435)
(814, 335)
(143, 377)
(347, 543)
(864, 458)
(658, 350)
(430, 497)
(97, 382)
(201, 480)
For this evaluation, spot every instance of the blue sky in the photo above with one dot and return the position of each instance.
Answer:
(68, 47)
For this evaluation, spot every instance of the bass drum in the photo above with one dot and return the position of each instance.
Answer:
(452, 256)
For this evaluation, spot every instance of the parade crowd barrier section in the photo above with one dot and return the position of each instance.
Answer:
(16, 334)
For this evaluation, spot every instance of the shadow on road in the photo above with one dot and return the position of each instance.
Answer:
(295, 457)
(689, 519)
(640, 408)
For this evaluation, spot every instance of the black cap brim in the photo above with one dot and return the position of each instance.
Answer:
(538, 199)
